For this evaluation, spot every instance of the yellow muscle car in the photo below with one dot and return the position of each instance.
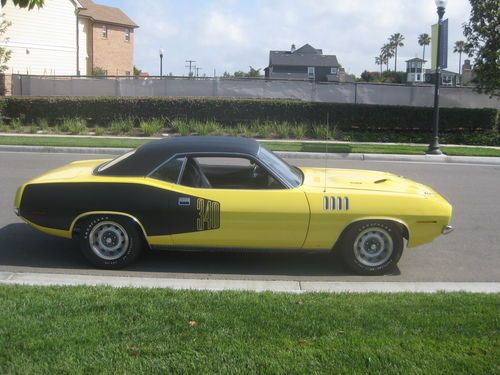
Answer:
(230, 193)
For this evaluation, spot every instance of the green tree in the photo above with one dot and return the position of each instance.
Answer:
(97, 71)
(386, 52)
(30, 4)
(483, 43)
(459, 48)
(253, 73)
(379, 61)
(137, 71)
(424, 40)
(395, 41)
(4, 52)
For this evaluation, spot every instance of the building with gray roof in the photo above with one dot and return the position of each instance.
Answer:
(304, 63)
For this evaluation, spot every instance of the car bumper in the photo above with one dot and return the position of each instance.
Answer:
(447, 229)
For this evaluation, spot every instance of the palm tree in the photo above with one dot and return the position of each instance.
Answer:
(386, 53)
(424, 40)
(379, 61)
(459, 48)
(396, 40)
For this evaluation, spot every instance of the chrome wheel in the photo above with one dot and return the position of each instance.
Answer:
(373, 246)
(108, 240)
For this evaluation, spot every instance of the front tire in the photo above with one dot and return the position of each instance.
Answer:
(110, 242)
(372, 247)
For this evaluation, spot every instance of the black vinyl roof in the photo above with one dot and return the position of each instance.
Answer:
(152, 154)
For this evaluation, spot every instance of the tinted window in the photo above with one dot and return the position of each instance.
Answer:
(169, 171)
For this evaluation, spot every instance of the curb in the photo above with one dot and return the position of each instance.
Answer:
(47, 279)
(285, 154)
(285, 141)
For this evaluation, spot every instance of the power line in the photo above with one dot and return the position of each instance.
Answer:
(197, 70)
(190, 66)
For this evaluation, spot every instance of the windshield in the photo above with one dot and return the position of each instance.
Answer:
(288, 173)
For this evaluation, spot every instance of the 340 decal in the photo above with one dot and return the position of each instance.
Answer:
(208, 214)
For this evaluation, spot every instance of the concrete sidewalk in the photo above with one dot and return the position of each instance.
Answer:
(285, 154)
(286, 286)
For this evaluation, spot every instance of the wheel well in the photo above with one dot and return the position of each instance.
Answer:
(401, 226)
(76, 226)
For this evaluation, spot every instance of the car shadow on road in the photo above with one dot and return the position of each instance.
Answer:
(22, 246)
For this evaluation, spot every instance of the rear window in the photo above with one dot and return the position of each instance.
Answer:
(115, 161)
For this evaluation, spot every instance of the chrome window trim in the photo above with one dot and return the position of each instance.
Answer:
(150, 175)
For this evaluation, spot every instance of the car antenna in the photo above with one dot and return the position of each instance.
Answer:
(326, 145)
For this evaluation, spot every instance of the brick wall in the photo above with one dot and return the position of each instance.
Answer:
(113, 53)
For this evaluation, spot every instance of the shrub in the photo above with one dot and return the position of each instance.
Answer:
(98, 131)
(298, 131)
(181, 127)
(472, 126)
(73, 125)
(43, 124)
(282, 129)
(15, 124)
(205, 128)
(227, 111)
(33, 129)
(151, 127)
(122, 126)
(265, 130)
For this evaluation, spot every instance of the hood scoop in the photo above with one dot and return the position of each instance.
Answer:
(381, 181)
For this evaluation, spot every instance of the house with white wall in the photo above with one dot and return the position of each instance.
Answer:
(42, 40)
(68, 37)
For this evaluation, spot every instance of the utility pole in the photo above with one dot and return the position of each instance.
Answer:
(197, 71)
(190, 66)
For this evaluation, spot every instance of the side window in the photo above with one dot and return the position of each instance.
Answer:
(170, 171)
(104, 31)
(234, 173)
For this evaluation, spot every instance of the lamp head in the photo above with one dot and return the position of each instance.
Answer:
(441, 3)
(161, 51)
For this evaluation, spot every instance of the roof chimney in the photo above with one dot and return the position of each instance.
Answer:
(292, 50)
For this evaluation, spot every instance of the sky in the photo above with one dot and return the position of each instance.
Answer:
(231, 35)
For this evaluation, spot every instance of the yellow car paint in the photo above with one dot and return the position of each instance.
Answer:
(311, 216)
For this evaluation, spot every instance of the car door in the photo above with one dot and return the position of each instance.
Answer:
(237, 213)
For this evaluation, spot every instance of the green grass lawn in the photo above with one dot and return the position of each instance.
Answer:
(275, 146)
(73, 330)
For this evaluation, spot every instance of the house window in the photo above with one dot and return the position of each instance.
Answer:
(104, 31)
(311, 72)
(447, 81)
(418, 77)
(127, 35)
(333, 70)
(127, 73)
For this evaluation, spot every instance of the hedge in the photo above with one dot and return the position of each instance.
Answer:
(102, 110)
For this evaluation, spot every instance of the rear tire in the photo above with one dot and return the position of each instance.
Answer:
(372, 247)
(110, 242)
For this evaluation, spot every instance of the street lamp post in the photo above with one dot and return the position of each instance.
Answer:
(434, 148)
(161, 61)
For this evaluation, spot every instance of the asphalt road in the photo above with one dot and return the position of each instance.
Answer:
(470, 253)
